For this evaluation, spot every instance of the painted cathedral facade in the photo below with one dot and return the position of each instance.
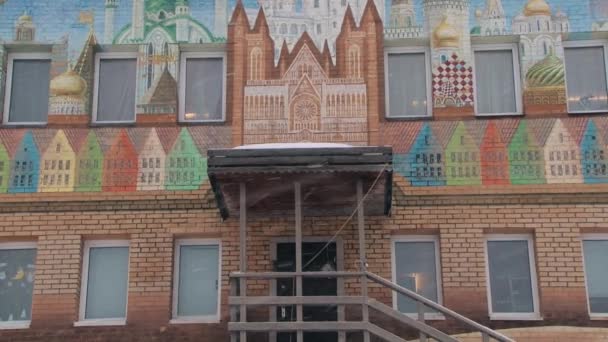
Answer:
(306, 96)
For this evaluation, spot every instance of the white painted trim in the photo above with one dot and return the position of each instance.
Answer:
(516, 76)
(418, 238)
(17, 245)
(592, 237)
(573, 44)
(429, 87)
(195, 319)
(84, 283)
(182, 83)
(9, 85)
(111, 55)
(11, 325)
(101, 322)
(517, 316)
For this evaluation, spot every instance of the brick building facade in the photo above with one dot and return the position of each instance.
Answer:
(464, 178)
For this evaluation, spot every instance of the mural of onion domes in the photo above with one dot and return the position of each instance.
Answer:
(549, 72)
(446, 35)
(170, 20)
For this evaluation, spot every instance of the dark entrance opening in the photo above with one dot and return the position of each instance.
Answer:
(325, 261)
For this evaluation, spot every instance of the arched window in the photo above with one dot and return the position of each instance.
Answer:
(255, 64)
(354, 61)
(283, 28)
(293, 29)
(150, 66)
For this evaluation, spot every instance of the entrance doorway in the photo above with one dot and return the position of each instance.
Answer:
(327, 259)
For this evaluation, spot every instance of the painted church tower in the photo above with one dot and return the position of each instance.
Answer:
(492, 19)
(138, 22)
(182, 13)
(452, 15)
(110, 11)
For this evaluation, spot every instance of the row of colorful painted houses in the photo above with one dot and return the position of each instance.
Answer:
(492, 152)
(501, 152)
(106, 159)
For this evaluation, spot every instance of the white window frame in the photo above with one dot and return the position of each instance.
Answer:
(418, 238)
(584, 44)
(517, 80)
(17, 245)
(111, 55)
(182, 84)
(82, 322)
(513, 316)
(592, 237)
(9, 85)
(175, 319)
(429, 86)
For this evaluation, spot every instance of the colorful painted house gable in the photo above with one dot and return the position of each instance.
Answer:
(120, 165)
(425, 160)
(184, 164)
(25, 167)
(151, 163)
(58, 163)
(562, 163)
(462, 158)
(89, 166)
(526, 165)
(594, 155)
(494, 157)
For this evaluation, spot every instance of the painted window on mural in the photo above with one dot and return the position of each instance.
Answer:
(202, 88)
(115, 95)
(586, 79)
(196, 287)
(512, 276)
(595, 250)
(17, 268)
(416, 267)
(496, 82)
(407, 84)
(27, 89)
(105, 280)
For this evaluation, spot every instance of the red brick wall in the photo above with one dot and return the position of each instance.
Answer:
(153, 220)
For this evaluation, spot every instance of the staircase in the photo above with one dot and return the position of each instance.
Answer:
(240, 304)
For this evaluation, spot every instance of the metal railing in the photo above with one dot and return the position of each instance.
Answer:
(239, 302)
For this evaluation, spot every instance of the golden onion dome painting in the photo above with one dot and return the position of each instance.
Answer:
(549, 72)
(446, 35)
(68, 83)
(537, 7)
(24, 18)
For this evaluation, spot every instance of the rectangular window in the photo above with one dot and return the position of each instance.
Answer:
(17, 269)
(196, 287)
(511, 275)
(202, 87)
(407, 72)
(416, 267)
(114, 95)
(105, 273)
(497, 80)
(595, 252)
(586, 77)
(27, 88)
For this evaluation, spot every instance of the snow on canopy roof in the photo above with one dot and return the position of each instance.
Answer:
(290, 145)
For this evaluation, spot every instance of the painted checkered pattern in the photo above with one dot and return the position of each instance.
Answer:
(453, 83)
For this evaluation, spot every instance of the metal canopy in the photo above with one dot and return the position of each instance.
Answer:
(328, 177)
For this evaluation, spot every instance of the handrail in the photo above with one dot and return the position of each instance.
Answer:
(413, 295)
(278, 275)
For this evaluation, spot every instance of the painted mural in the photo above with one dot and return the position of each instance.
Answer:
(500, 152)
(440, 153)
(106, 159)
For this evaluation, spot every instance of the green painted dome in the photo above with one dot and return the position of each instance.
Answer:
(549, 72)
(155, 6)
